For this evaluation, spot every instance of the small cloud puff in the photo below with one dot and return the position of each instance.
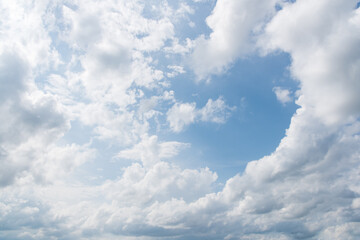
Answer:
(282, 95)
(183, 114)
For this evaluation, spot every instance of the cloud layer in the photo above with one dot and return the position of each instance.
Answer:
(94, 65)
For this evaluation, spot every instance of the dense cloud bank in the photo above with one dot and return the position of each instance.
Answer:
(88, 62)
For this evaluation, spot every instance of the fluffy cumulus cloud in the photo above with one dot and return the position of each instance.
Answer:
(235, 26)
(325, 58)
(94, 65)
(32, 122)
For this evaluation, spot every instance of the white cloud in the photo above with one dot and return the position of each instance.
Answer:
(32, 120)
(114, 66)
(183, 114)
(30, 39)
(235, 25)
(150, 151)
(215, 111)
(32, 123)
(308, 188)
(282, 95)
(176, 70)
(85, 28)
(25, 117)
(281, 196)
(101, 87)
(179, 48)
(324, 52)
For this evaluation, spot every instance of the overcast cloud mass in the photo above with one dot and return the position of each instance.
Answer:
(115, 124)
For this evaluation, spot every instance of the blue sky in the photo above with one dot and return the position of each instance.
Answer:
(191, 119)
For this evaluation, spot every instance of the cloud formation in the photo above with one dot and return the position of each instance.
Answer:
(91, 64)
(324, 58)
(235, 26)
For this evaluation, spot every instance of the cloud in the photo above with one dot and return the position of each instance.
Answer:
(183, 114)
(24, 117)
(280, 196)
(32, 122)
(313, 172)
(30, 39)
(176, 70)
(111, 66)
(235, 26)
(324, 57)
(150, 151)
(215, 111)
(306, 189)
(282, 95)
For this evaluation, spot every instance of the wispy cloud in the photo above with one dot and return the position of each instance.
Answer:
(183, 114)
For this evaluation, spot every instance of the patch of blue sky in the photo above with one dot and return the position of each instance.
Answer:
(65, 51)
(196, 24)
(253, 130)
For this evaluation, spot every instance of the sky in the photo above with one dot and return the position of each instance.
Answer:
(188, 119)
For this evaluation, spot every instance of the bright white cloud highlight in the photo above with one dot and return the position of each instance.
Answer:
(325, 58)
(235, 26)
